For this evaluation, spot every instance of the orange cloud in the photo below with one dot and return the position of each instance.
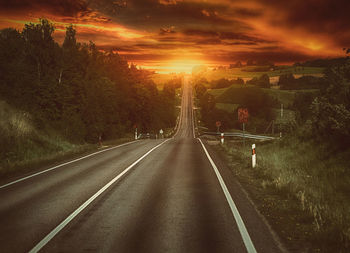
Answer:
(220, 31)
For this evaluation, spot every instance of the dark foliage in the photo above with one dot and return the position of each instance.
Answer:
(289, 82)
(224, 83)
(326, 63)
(76, 89)
(263, 81)
(331, 110)
(258, 103)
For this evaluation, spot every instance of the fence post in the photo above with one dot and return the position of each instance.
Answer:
(253, 156)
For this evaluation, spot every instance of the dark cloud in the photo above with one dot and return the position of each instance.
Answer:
(150, 14)
(201, 33)
(240, 36)
(240, 43)
(244, 12)
(146, 57)
(68, 8)
(281, 31)
(322, 16)
(275, 56)
(224, 35)
(213, 41)
(167, 30)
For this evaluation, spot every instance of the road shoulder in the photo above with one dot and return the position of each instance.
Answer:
(263, 235)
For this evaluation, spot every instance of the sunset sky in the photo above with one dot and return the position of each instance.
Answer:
(177, 34)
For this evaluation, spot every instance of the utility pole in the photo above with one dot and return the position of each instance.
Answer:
(281, 121)
(243, 135)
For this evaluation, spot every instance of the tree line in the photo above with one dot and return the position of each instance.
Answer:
(78, 90)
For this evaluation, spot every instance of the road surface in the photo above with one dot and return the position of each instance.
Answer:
(146, 196)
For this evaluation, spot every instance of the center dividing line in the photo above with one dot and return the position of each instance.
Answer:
(64, 223)
(63, 164)
(239, 221)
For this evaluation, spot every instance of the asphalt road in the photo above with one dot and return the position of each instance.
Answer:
(146, 196)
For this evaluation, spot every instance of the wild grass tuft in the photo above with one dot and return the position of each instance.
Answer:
(22, 142)
(314, 175)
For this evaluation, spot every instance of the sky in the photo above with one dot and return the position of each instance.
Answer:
(175, 35)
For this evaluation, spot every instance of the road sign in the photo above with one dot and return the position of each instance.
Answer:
(243, 115)
(218, 123)
(161, 131)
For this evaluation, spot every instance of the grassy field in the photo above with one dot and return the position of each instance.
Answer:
(216, 92)
(230, 108)
(301, 187)
(285, 97)
(288, 116)
(246, 72)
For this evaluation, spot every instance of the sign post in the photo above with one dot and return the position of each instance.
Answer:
(161, 133)
(135, 126)
(218, 125)
(281, 120)
(243, 134)
(243, 116)
(253, 156)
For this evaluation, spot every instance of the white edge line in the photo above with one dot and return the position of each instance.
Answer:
(193, 130)
(57, 229)
(242, 229)
(181, 112)
(63, 164)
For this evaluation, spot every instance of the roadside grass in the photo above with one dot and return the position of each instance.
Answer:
(288, 116)
(303, 189)
(25, 147)
(285, 97)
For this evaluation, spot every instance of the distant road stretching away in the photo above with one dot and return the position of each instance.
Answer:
(165, 195)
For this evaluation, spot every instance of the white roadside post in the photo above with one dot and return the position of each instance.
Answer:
(136, 133)
(253, 156)
(222, 138)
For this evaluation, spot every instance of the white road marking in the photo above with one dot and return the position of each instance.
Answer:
(61, 165)
(64, 223)
(242, 229)
(192, 118)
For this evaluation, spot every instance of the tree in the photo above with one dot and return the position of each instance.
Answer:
(39, 43)
(200, 90)
(286, 81)
(331, 111)
(264, 81)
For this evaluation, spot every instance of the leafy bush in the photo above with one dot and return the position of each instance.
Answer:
(263, 81)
